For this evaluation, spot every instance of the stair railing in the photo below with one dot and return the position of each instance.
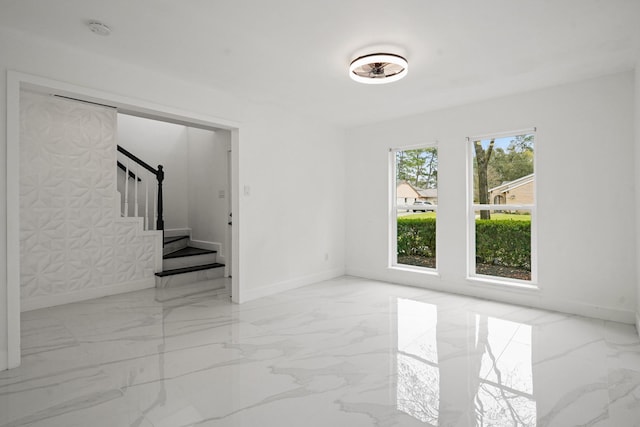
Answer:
(142, 173)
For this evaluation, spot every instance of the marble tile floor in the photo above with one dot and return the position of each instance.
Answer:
(345, 352)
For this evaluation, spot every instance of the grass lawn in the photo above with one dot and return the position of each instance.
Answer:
(420, 215)
(513, 217)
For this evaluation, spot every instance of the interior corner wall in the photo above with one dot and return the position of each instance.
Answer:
(73, 244)
(208, 188)
(161, 143)
(585, 195)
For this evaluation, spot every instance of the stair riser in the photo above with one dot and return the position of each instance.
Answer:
(175, 246)
(188, 261)
(188, 278)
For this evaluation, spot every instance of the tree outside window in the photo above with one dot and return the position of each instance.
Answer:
(502, 206)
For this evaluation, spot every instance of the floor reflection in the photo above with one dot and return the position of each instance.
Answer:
(478, 375)
(505, 389)
(418, 375)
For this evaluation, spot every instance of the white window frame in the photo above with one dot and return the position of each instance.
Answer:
(473, 207)
(393, 212)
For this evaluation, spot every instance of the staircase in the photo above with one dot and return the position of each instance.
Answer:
(183, 264)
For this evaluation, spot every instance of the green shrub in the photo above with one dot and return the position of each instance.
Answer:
(504, 242)
(500, 242)
(417, 236)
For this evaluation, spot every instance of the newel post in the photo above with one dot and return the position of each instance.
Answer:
(160, 220)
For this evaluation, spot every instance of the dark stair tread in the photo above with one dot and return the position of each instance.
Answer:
(174, 239)
(188, 251)
(189, 269)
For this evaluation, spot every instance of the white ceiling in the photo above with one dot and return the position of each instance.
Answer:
(295, 53)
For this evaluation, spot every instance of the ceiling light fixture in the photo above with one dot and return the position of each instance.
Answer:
(378, 68)
(99, 28)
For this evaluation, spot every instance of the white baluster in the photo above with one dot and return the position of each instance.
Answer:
(146, 201)
(135, 190)
(155, 208)
(126, 188)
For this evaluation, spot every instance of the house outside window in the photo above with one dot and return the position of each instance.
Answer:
(414, 201)
(502, 208)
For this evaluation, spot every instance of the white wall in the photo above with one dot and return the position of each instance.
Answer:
(208, 177)
(161, 143)
(586, 254)
(281, 155)
(294, 212)
(73, 244)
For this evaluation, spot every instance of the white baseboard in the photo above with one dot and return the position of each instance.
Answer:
(276, 288)
(86, 294)
(201, 244)
(509, 296)
(173, 232)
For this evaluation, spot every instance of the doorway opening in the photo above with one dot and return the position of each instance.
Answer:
(195, 189)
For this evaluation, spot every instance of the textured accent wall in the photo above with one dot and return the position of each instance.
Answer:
(72, 241)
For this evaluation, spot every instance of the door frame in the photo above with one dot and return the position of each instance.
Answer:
(17, 81)
(228, 238)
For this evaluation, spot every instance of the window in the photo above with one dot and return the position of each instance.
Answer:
(502, 208)
(414, 206)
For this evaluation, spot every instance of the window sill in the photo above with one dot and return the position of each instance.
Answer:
(504, 284)
(419, 270)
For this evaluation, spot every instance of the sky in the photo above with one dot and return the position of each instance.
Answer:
(499, 142)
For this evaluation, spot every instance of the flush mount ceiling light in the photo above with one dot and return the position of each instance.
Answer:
(99, 28)
(378, 68)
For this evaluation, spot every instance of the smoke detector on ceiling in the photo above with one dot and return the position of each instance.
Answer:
(378, 68)
(99, 28)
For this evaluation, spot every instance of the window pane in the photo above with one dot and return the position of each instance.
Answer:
(503, 170)
(416, 243)
(503, 244)
(419, 169)
(416, 202)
